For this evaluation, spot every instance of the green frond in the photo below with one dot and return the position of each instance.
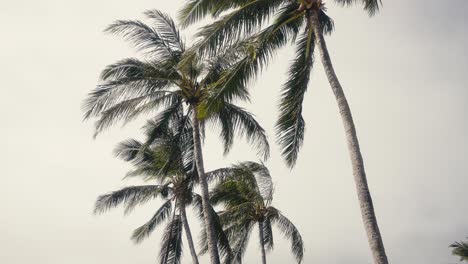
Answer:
(255, 53)
(371, 6)
(290, 125)
(240, 22)
(171, 244)
(129, 197)
(145, 230)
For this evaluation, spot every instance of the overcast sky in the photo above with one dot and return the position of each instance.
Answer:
(404, 71)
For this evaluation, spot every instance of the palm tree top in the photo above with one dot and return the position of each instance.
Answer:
(173, 77)
(245, 191)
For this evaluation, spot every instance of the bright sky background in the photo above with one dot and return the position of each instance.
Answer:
(404, 72)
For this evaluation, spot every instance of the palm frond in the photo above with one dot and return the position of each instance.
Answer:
(145, 230)
(371, 6)
(257, 51)
(290, 231)
(128, 110)
(167, 29)
(194, 11)
(240, 22)
(234, 120)
(143, 37)
(291, 125)
(124, 82)
(268, 235)
(129, 197)
(171, 244)
(222, 239)
(460, 249)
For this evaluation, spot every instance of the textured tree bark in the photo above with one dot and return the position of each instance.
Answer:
(364, 196)
(188, 234)
(198, 154)
(262, 244)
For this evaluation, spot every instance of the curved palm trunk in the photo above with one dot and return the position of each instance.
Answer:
(365, 199)
(198, 155)
(262, 243)
(188, 233)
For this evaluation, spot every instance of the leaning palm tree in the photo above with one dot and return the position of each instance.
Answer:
(460, 249)
(246, 192)
(303, 22)
(168, 77)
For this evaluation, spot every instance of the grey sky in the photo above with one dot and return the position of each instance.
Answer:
(404, 71)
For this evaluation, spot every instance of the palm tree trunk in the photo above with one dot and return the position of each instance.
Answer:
(188, 233)
(262, 243)
(364, 196)
(198, 155)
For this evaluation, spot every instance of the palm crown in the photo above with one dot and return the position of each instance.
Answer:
(171, 76)
(246, 192)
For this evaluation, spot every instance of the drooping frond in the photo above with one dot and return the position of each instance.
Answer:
(222, 239)
(129, 197)
(268, 234)
(371, 6)
(145, 230)
(234, 120)
(171, 244)
(256, 52)
(290, 125)
(460, 249)
(254, 178)
(240, 22)
(241, 240)
(290, 231)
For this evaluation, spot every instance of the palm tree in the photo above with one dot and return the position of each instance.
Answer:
(171, 76)
(246, 191)
(460, 249)
(246, 17)
(176, 189)
(167, 157)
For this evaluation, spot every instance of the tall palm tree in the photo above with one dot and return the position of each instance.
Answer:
(460, 249)
(246, 192)
(247, 17)
(168, 77)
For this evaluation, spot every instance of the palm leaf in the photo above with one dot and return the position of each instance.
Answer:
(289, 231)
(145, 230)
(290, 125)
(171, 244)
(129, 197)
